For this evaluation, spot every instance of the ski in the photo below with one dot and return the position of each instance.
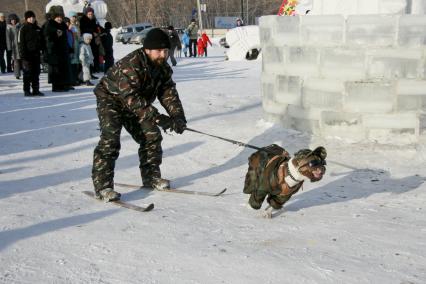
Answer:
(123, 203)
(172, 190)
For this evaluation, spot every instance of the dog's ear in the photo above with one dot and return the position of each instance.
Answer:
(302, 154)
(320, 152)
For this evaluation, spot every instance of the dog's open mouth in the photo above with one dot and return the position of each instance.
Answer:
(318, 173)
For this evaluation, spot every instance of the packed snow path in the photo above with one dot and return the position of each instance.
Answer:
(365, 222)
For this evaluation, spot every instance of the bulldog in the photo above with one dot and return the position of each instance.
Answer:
(274, 175)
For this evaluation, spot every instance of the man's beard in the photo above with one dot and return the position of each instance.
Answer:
(158, 61)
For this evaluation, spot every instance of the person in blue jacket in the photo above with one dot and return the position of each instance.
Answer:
(185, 42)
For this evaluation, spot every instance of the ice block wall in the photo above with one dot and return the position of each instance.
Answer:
(360, 78)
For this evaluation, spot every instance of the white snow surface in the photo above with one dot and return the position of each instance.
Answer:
(365, 222)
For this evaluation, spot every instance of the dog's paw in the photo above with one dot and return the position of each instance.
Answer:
(267, 214)
(270, 212)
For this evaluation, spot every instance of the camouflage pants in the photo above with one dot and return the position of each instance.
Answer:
(111, 119)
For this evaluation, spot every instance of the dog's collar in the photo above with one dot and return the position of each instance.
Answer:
(293, 177)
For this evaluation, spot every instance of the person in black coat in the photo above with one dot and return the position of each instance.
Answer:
(29, 45)
(57, 50)
(107, 43)
(174, 43)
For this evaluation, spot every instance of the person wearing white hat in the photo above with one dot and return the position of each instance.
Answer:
(86, 58)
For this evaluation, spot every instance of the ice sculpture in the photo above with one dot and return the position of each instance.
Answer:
(99, 6)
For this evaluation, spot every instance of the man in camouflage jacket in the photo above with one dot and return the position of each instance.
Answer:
(124, 98)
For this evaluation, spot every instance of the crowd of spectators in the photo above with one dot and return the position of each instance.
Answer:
(71, 48)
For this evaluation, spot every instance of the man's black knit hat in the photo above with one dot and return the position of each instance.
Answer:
(29, 14)
(156, 39)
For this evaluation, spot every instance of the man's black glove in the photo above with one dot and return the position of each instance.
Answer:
(164, 121)
(178, 125)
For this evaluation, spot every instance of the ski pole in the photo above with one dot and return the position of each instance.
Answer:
(225, 139)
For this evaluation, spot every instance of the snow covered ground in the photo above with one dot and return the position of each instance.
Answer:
(365, 222)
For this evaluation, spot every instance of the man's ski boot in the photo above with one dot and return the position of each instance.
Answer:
(158, 184)
(108, 194)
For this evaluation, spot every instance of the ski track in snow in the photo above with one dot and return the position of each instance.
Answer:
(363, 223)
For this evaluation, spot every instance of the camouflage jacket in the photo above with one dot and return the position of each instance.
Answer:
(267, 172)
(134, 82)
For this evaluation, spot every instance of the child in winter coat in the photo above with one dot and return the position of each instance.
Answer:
(86, 58)
(185, 42)
(206, 40)
(200, 46)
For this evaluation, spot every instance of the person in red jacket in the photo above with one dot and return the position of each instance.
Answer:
(206, 40)
(200, 47)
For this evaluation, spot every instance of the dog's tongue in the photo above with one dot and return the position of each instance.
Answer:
(317, 173)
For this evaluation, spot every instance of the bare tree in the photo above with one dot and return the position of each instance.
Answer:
(160, 12)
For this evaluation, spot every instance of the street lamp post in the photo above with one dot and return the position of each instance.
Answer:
(242, 11)
(136, 12)
(247, 13)
(200, 20)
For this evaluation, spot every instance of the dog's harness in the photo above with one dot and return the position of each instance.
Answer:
(277, 182)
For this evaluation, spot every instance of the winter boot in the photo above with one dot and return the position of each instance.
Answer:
(28, 94)
(158, 184)
(108, 194)
(38, 93)
(58, 88)
(88, 83)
